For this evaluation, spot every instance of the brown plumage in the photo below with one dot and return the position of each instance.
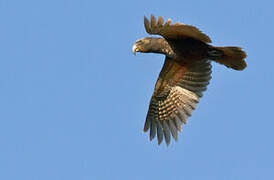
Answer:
(185, 74)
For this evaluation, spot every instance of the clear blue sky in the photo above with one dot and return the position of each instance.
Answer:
(73, 98)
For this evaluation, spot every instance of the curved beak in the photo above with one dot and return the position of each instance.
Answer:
(134, 49)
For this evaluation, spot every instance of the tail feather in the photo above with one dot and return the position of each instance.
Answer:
(232, 57)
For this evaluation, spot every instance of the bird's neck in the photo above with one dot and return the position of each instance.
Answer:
(161, 46)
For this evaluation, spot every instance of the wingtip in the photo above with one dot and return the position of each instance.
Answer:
(145, 18)
(159, 142)
(153, 21)
(147, 24)
(160, 21)
(168, 22)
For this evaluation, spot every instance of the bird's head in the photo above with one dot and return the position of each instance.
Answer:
(145, 45)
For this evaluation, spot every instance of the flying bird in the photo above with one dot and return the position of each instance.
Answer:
(185, 74)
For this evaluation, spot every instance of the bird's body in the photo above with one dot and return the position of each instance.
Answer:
(185, 74)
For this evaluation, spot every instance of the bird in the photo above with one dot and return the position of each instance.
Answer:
(184, 76)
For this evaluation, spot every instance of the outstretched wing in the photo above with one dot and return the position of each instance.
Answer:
(176, 94)
(173, 31)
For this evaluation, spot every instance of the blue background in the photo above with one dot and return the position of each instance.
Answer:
(73, 98)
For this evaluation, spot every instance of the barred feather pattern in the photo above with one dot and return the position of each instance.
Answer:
(170, 109)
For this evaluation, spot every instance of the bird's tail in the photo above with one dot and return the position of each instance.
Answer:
(232, 57)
